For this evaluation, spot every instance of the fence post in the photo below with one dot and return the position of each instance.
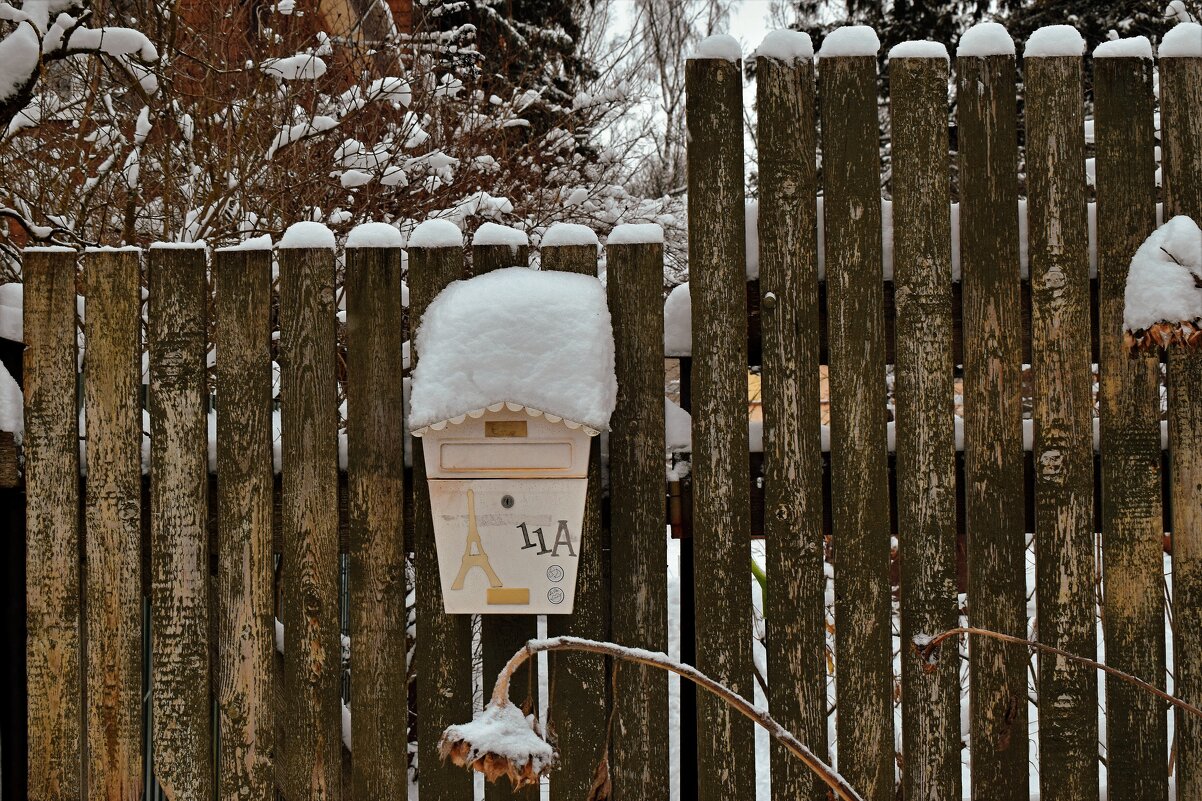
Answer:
(926, 448)
(1063, 414)
(578, 681)
(444, 642)
(312, 649)
(1129, 401)
(52, 524)
(179, 547)
(721, 507)
(113, 410)
(245, 561)
(375, 466)
(1181, 136)
(993, 439)
(794, 608)
(493, 248)
(640, 553)
(859, 449)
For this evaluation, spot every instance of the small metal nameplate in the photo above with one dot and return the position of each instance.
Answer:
(505, 428)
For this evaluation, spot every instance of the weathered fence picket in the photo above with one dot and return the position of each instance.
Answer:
(788, 229)
(52, 576)
(444, 647)
(859, 467)
(579, 692)
(179, 537)
(232, 718)
(376, 476)
(1063, 415)
(721, 509)
(993, 438)
(926, 449)
(312, 648)
(1129, 408)
(638, 582)
(247, 702)
(1181, 137)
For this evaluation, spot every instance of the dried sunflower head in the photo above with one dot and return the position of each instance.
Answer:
(500, 742)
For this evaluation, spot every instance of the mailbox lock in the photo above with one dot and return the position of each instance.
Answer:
(507, 501)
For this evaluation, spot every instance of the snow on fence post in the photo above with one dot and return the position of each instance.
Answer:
(994, 491)
(788, 228)
(635, 257)
(52, 524)
(177, 335)
(579, 708)
(444, 644)
(924, 393)
(1129, 408)
(247, 702)
(312, 648)
(859, 455)
(1063, 412)
(376, 476)
(495, 247)
(721, 507)
(1181, 137)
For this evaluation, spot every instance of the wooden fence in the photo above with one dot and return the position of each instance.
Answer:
(232, 720)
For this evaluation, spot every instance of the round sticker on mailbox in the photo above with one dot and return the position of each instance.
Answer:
(555, 573)
(555, 595)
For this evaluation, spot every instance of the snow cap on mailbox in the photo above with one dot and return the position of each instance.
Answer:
(517, 338)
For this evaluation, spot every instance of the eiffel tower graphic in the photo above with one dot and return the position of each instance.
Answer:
(473, 554)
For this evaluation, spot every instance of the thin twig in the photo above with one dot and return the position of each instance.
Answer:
(500, 696)
(929, 655)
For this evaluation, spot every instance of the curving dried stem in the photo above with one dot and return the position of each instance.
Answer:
(500, 696)
(929, 651)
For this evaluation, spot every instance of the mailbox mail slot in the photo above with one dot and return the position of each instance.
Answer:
(505, 457)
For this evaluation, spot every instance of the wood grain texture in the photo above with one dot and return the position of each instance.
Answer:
(993, 484)
(860, 511)
(721, 509)
(246, 562)
(312, 648)
(1181, 137)
(1129, 407)
(179, 548)
(636, 473)
(502, 635)
(444, 647)
(579, 706)
(52, 577)
(1063, 411)
(794, 607)
(112, 379)
(376, 475)
(926, 448)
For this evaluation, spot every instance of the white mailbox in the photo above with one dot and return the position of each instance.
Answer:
(506, 413)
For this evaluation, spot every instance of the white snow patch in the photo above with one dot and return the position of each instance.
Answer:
(850, 40)
(1183, 40)
(918, 49)
(1163, 281)
(197, 245)
(678, 428)
(719, 46)
(751, 238)
(307, 235)
(636, 234)
(539, 339)
(494, 234)
(436, 233)
(12, 324)
(254, 243)
(563, 234)
(1133, 47)
(678, 323)
(986, 39)
(374, 235)
(786, 45)
(12, 403)
(1051, 41)
(301, 67)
